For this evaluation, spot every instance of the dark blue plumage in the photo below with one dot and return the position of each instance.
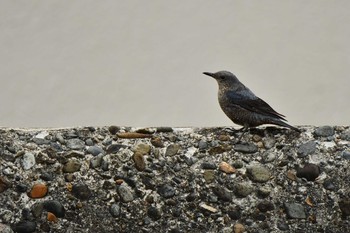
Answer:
(242, 106)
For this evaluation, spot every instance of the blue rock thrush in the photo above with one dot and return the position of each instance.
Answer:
(242, 106)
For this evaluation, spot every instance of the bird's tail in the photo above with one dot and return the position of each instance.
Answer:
(284, 124)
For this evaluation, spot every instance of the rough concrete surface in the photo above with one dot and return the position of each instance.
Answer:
(161, 179)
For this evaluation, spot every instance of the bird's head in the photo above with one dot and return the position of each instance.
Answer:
(225, 79)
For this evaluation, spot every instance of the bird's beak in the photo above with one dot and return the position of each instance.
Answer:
(209, 74)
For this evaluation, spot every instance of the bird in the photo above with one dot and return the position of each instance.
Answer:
(242, 106)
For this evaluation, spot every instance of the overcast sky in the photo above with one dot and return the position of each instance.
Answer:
(140, 63)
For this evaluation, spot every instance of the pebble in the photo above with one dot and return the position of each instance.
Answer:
(51, 217)
(294, 210)
(113, 129)
(5, 229)
(89, 142)
(75, 144)
(95, 150)
(75, 154)
(238, 164)
(164, 129)
(227, 168)
(208, 165)
(172, 150)
(219, 149)
(157, 142)
(54, 207)
(208, 207)
(309, 172)
(4, 184)
(243, 189)
(283, 226)
(346, 154)
(114, 148)
(202, 145)
(344, 206)
(258, 173)
(71, 166)
(146, 130)
(269, 143)
(166, 191)
(224, 137)
(329, 185)
(60, 138)
(24, 227)
(246, 148)
(345, 135)
(235, 213)
(38, 191)
(37, 209)
(81, 191)
(238, 228)
(154, 213)
(264, 192)
(21, 188)
(125, 193)
(306, 149)
(133, 135)
(115, 210)
(269, 157)
(28, 161)
(95, 162)
(222, 193)
(209, 176)
(46, 176)
(139, 161)
(142, 149)
(324, 131)
(265, 206)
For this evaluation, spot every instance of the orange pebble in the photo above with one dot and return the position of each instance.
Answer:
(38, 191)
(119, 181)
(51, 217)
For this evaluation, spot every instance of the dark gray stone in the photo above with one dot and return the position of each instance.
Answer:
(346, 155)
(295, 210)
(75, 144)
(246, 148)
(166, 191)
(24, 227)
(114, 148)
(324, 131)
(81, 191)
(95, 162)
(306, 149)
(154, 213)
(125, 193)
(115, 210)
(222, 193)
(95, 150)
(309, 172)
(208, 165)
(345, 135)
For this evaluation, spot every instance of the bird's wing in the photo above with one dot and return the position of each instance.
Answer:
(253, 103)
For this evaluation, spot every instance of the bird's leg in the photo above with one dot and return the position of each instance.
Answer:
(243, 129)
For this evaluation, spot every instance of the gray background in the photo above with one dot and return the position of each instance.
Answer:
(140, 63)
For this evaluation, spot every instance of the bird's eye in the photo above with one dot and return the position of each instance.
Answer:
(222, 77)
